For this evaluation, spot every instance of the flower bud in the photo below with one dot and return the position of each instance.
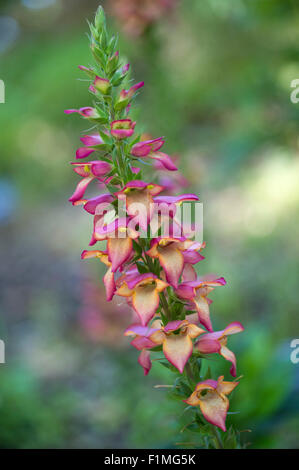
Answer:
(102, 84)
(122, 128)
(100, 19)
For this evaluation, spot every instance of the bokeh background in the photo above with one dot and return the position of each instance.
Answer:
(217, 85)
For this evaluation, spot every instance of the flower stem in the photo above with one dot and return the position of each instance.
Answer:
(217, 436)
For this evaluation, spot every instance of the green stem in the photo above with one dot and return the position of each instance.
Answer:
(218, 440)
(189, 374)
(165, 306)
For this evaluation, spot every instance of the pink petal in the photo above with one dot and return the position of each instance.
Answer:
(229, 356)
(109, 283)
(93, 139)
(80, 189)
(94, 202)
(83, 152)
(145, 361)
(119, 250)
(207, 346)
(177, 350)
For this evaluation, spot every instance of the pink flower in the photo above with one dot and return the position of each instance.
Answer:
(122, 128)
(143, 290)
(213, 402)
(89, 171)
(149, 148)
(216, 343)
(119, 240)
(90, 205)
(126, 95)
(169, 251)
(176, 339)
(196, 292)
(90, 142)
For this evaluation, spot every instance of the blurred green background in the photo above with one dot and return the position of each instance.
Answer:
(217, 85)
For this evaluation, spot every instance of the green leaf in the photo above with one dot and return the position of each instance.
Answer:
(106, 138)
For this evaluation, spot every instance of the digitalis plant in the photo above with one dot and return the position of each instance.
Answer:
(152, 269)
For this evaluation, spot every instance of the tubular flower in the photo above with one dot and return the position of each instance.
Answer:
(169, 251)
(91, 205)
(126, 95)
(90, 142)
(196, 292)
(143, 290)
(176, 339)
(89, 171)
(122, 128)
(216, 343)
(119, 240)
(214, 403)
(139, 200)
(86, 112)
(149, 148)
(108, 279)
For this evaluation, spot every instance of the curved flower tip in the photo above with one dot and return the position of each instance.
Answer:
(143, 290)
(87, 254)
(80, 189)
(145, 147)
(214, 403)
(122, 128)
(145, 361)
(108, 279)
(196, 292)
(150, 149)
(216, 343)
(125, 69)
(165, 160)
